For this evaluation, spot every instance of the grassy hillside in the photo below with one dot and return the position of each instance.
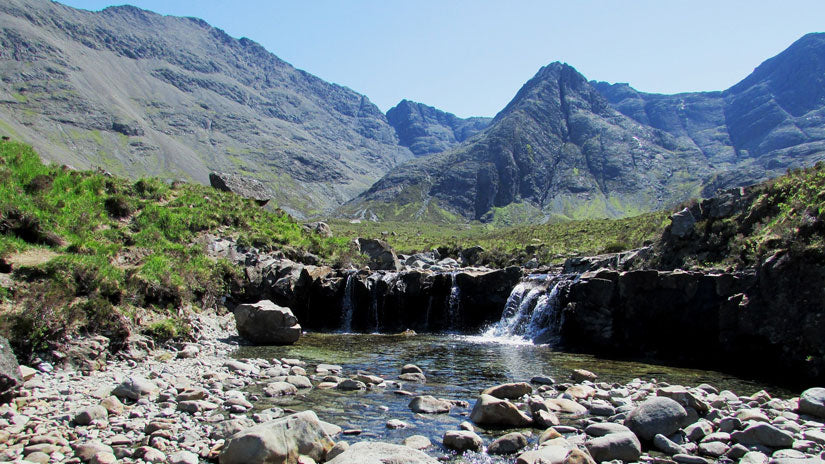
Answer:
(548, 242)
(95, 253)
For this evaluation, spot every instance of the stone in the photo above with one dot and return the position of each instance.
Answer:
(135, 388)
(713, 449)
(508, 444)
(763, 434)
(86, 451)
(149, 454)
(299, 381)
(427, 404)
(26, 372)
(667, 446)
(396, 424)
(462, 440)
(411, 369)
(682, 396)
(580, 375)
(278, 441)
(418, 442)
(38, 458)
(543, 418)
(266, 323)
(112, 404)
(745, 415)
(103, 458)
(338, 449)
(566, 406)
(624, 446)
(246, 187)
(381, 255)
(183, 457)
(550, 454)
(698, 430)
(542, 380)
(320, 228)
(601, 429)
(382, 453)
(509, 391)
(413, 377)
(690, 459)
(754, 457)
(90, 414)
(351, 385)
(196, 406)
(280, 389)
(489, 410)
(812, 402)
(656, 415)
(10, 377)
(682, 223)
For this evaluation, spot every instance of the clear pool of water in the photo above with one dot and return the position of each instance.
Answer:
(457, 367)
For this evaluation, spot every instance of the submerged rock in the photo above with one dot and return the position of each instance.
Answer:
(381, 453)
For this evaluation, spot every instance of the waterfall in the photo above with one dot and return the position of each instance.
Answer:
(453, 301)
(531, 311)
(347, 304)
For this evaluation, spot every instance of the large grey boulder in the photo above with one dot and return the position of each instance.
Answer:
(382, 256)
(656, 415)
(812, 402)
(381, 453)
(9, 370)
(279, 441)
(266, 323)
(624, 446)
(490, 410)
(240, 185)
(682, 223)
(508, 444)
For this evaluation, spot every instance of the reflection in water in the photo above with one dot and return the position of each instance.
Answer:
(457, 367)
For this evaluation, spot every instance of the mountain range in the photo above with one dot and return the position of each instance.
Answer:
(569, 148)
(137, 94)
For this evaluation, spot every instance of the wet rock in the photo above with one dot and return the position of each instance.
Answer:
(462, 440)
(411, 369)
(812, 402)
(280, 389)
(381, 453)
(351, 385)
(580, 375)
(418, 442)
(272, 442)
(490, 410)
(508, 444)
(543, 418)
(509, 391)
(135, 388)
(396, 424)
(266, 323)
(542, 380)
(657, 415)
(413, 377)
(624, 446)
(429, 405)
(765, 435)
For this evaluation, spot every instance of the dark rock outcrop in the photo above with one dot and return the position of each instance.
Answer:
(382, 257)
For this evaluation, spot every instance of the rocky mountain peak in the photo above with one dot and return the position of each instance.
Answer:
(426, 130)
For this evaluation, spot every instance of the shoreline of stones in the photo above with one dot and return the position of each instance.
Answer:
(189, 404)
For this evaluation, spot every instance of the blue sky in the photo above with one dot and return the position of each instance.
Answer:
(471, 57)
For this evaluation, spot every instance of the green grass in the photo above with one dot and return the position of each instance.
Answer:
(91, 221)
(549, 242)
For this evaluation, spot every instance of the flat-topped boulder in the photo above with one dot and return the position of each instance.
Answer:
(265, 323)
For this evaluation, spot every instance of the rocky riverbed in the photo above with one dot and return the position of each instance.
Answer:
(196, 403)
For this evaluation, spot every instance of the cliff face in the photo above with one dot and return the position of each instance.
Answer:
(137, 94)
(426, 130)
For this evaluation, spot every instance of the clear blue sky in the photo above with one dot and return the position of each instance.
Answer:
(470, 57)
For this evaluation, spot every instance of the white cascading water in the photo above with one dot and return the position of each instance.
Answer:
(347, 304)
(530, 313)
(453, 302)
